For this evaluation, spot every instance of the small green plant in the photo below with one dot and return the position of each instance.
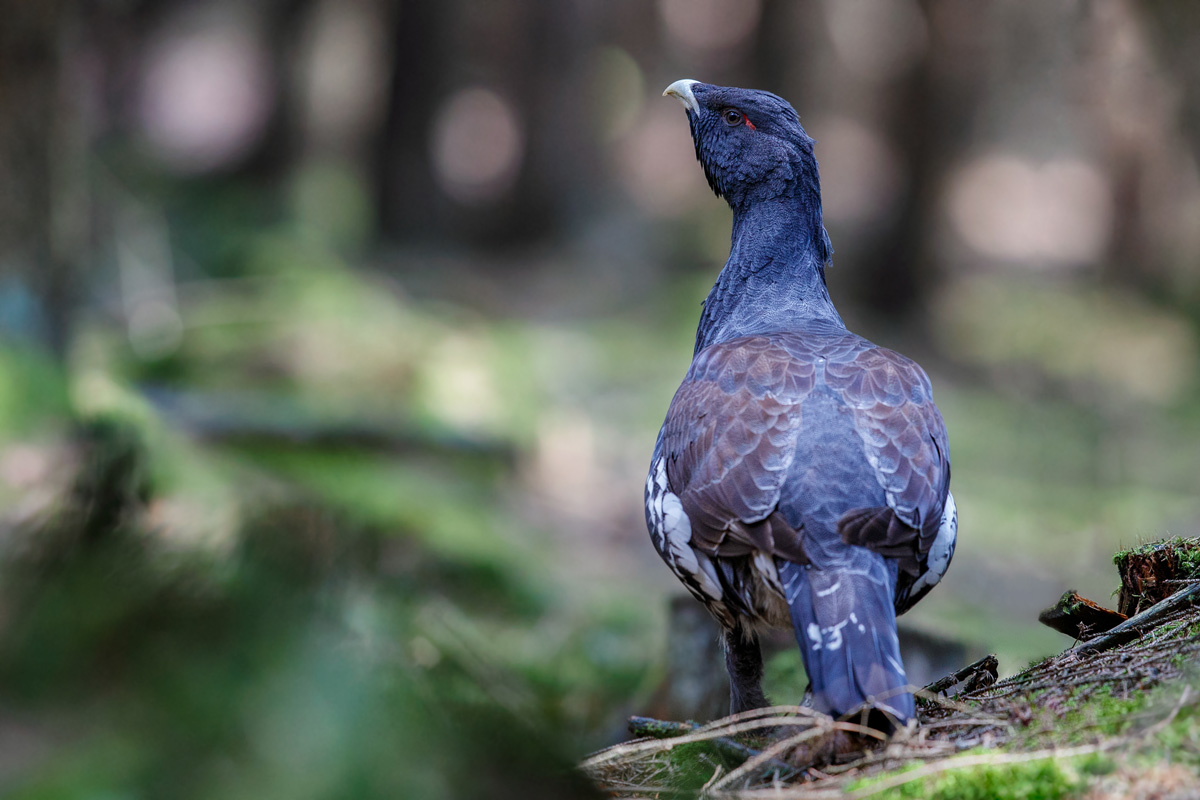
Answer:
(1034, 780)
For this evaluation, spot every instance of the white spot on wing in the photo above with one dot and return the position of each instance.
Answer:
(835, 634)
(830, 590)
(814, 633)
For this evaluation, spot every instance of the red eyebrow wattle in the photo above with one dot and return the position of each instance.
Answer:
(749, 124)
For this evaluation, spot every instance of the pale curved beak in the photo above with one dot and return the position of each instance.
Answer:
(683, 90)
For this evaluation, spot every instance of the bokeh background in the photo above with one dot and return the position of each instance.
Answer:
(335, 335)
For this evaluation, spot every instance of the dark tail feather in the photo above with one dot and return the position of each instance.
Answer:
(845, 624)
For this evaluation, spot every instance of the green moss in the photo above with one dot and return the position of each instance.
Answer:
(1189, 557)
(1186, 550)
(1105, 713)
(1034, 780)
(1180, 741)
(693, 765)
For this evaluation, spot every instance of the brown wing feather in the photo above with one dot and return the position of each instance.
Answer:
(729, 440)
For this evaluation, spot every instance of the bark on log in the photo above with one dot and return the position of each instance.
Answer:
(1079, 617)
(1148, 573)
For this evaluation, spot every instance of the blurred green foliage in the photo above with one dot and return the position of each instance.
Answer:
(310, 551)
(319, 657)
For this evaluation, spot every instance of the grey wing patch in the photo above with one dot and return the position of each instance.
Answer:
(904, 440)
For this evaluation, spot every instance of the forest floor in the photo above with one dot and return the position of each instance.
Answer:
(1115, 716)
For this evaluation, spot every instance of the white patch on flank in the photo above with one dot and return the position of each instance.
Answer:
(942, 549)
(676, 525)
(656, 491)
(696, 571)
(896, 665)
(854, 619)
(830, 590)
(672, 535)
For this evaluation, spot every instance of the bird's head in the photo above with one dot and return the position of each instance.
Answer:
(750, 143)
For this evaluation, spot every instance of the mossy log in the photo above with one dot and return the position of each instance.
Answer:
(1153, 572)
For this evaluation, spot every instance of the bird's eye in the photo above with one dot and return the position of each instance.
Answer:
(732, 116)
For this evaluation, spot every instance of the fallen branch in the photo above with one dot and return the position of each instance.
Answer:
(767, 758)
(1133, 627)
(673, 734)
(648, 727)
(979, 671)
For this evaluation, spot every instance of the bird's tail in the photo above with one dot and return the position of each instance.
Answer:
(845, 624)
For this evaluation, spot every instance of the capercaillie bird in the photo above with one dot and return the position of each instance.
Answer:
(801, 477)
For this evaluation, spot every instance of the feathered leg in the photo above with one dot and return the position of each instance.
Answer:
(743, 659)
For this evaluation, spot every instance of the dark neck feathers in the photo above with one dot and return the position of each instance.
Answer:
(774, 279)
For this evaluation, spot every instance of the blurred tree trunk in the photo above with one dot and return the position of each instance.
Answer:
(275, 155)
(1143, 256)
(1175, 24)
(927, 117)
(38, 157)
(406, 193)
(534, 55)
